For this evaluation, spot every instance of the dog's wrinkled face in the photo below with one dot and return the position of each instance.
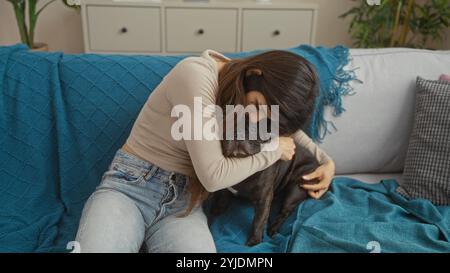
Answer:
(242, 147)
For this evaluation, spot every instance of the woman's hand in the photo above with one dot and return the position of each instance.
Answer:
(287, 146)
(324, 174)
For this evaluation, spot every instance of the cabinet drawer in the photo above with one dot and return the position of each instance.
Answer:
(276, 28)
(126, 29)
(197, 29)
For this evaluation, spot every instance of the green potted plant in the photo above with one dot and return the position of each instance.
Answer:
(398, 23)
(27, 14)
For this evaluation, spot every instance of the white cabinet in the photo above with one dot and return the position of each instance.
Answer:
(193, 29)
(130, 29)
(184, 27)
(271, 28)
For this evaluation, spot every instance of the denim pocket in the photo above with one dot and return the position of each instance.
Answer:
(124, 173)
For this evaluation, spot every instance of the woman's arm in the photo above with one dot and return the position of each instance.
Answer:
(325, 172)
(195, 79)
(301, 138)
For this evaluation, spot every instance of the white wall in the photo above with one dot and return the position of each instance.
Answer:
(60, 26)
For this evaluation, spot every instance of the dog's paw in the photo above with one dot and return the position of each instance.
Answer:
(271, 232)
(254, 240)
(274, 228)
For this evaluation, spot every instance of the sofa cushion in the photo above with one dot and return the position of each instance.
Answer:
(427, 172)
(373, 178)
(372, 135)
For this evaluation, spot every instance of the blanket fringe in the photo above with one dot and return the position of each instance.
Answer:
(319, 127)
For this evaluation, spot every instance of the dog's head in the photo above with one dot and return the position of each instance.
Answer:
(248, 142)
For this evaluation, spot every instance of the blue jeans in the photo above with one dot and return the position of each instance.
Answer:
(137, 203)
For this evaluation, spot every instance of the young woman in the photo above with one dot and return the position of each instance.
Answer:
(146, 188)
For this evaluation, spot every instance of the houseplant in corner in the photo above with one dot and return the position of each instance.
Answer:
(27, 14)
(399, 23)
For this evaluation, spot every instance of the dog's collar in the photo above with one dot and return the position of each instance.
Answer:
(232, 190)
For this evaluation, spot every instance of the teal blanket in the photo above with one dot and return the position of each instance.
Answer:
(352, 217)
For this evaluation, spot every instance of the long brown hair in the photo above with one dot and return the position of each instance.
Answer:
(288, 80)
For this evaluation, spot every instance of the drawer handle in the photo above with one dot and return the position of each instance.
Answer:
(124, 30)
(276, 32)
(200, 31)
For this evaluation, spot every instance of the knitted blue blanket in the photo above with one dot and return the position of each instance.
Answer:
(62, 118)
(352, 217)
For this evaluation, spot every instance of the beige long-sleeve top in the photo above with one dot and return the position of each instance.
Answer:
(151, 138)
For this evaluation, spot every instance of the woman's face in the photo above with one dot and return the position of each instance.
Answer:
(257, 99)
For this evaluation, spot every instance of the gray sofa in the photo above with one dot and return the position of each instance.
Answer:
(372, 135)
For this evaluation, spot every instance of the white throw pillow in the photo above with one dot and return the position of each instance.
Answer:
(373, 133)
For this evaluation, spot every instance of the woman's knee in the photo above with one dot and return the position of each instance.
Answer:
(188, 234)
(110, 222)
